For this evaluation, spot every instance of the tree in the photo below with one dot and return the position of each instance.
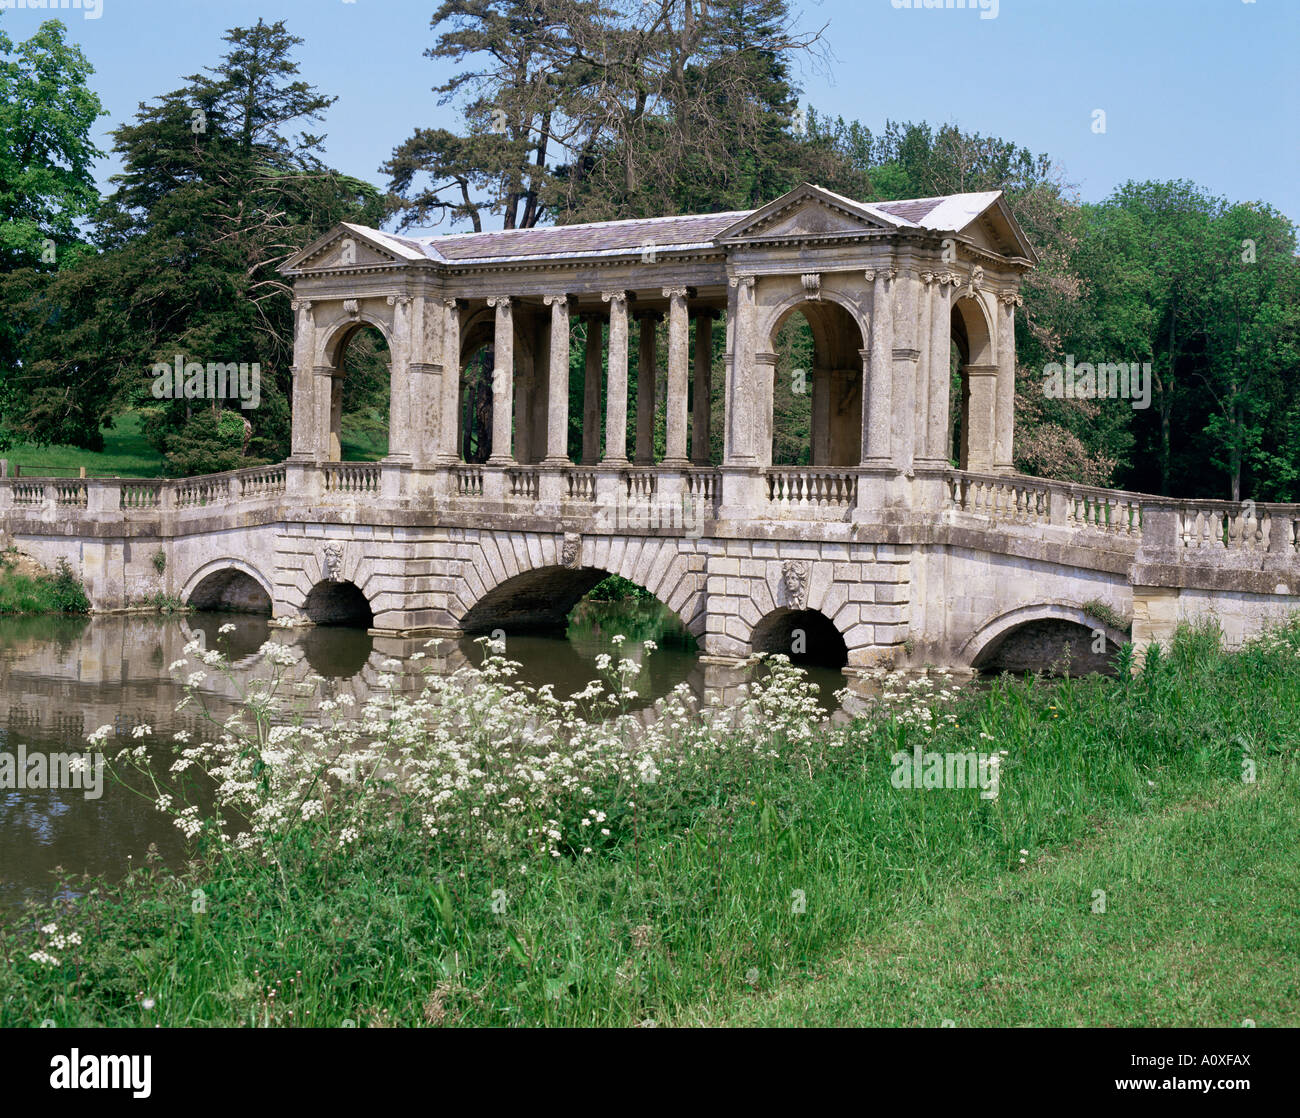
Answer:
(46, 182)
(578, 110)
(216, 192)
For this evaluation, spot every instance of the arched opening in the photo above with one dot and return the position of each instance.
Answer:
(557, 622)
(359, 396)
(532, 601)
(230, 590)
(816, 415)
(338, 603)
(971, 346)
(807, 636)
(1051, 645)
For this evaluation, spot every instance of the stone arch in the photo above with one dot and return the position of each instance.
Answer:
(334, 347)
(982, 645)
(333, 339)
(522, 578)
(223, 583)
(972, 334)
(807, 636)
(972, 330)
(839, 332)
(339, 602)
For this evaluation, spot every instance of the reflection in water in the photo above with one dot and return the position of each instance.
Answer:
(61, 678)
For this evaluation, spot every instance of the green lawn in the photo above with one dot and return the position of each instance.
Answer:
(126, 453)
(1199, 929)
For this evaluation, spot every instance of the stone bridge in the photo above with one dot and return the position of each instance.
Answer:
(879, 551)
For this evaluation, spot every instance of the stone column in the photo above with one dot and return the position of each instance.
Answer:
(980, 418)
(645, 387)
(335, 453)
(740, 417)
(702, 405)
(399, 380)
(823, 389)
(449, 388)
(591, 392)
(303, 433)
(921, 418)
(1003, 458)
(763, 403)
(322, 429)
(678, 386)
(616, 393)
(877, 372)
(557, 379)
(939, 434)
(503, 377)
(903, 384)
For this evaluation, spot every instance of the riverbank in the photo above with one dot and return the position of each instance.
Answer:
(26, 587)
(718, 886)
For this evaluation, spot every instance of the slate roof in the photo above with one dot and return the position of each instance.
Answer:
(625, 238)
(597, 238)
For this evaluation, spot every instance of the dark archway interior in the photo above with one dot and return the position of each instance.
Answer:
(817, 391)
(1048, 645)
(806, 636)
(230, 591)
(359, 397)
(338, 603)
(532, 601)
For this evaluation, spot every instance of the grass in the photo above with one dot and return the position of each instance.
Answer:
(59, 592)
(802, 888)
(126, 453)
(1197, 928)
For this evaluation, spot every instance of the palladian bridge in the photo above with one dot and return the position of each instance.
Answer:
(879, 551)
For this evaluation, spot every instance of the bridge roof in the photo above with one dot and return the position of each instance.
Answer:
(703, 232)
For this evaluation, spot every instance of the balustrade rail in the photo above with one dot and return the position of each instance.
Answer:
(469, 480)
(1189, 526)
(801, 487)
(523, 482)
(352, 477)
(580, 484)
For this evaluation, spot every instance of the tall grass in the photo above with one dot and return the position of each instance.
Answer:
(57, 592)
(733, 871)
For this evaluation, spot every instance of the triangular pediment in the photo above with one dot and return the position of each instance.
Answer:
(996, 231)
(806, 213)
(350, 246)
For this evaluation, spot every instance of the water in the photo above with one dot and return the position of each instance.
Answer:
(61, 678)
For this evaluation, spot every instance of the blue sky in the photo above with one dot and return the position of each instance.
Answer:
(1198, 89)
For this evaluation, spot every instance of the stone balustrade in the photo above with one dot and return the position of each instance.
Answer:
(1194, 531)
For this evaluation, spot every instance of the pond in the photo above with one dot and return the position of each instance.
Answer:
(63, 677)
